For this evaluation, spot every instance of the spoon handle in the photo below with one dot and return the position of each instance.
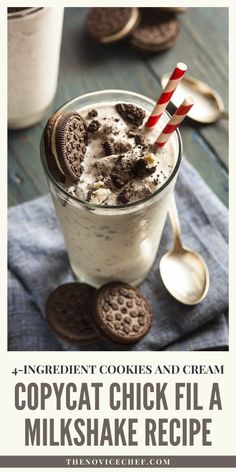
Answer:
(174, 219)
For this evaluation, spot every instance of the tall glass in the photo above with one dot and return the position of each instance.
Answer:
(107, 243)
(34, 41)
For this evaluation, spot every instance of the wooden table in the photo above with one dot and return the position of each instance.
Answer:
(202, 44)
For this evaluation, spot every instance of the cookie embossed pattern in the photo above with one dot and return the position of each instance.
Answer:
(156, 32)
(121, 313)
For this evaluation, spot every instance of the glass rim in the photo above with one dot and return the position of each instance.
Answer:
(24, 12)
(96, 206)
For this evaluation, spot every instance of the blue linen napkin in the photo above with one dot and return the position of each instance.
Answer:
(38, 263)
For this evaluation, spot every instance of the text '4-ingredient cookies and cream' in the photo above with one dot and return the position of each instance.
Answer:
(110, 185)
(34, 40)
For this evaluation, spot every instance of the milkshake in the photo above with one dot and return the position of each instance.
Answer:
(112, 217)
(34, 40)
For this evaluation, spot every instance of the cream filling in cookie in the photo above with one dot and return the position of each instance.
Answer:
(125, 30)
(53, 144)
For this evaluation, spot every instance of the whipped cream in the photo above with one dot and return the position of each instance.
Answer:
(129, 145)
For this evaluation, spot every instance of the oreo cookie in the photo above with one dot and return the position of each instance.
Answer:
(71, 141)
(52, 162)
(65, 140)
(130, 113)
(156, 32)
(93, 126)
(129, 192)
(92, 113)
(141, 169)
(122, 172)
(68, 312)
(121, 147)
(109, 25)
(121, 313)
(124, 196)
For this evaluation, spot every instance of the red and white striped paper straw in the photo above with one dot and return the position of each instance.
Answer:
(166, 95)
(175, 121)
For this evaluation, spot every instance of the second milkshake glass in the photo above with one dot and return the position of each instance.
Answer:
(107, 243)
(34, 42)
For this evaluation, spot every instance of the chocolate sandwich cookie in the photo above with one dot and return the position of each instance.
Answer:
(121, 173)
(48, 147)
(68, 312)
(65, 140)
(108, 25)
(71, 141)
(121, 313)
(156, 32)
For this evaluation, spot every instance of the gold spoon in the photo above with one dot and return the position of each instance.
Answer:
(183, 271)
(208, 106)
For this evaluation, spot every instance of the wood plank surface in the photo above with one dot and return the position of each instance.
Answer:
(85, 66)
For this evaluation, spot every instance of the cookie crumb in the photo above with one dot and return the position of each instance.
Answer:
(94, 126)
(108, 147)
(130, 113)
(92, 113)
